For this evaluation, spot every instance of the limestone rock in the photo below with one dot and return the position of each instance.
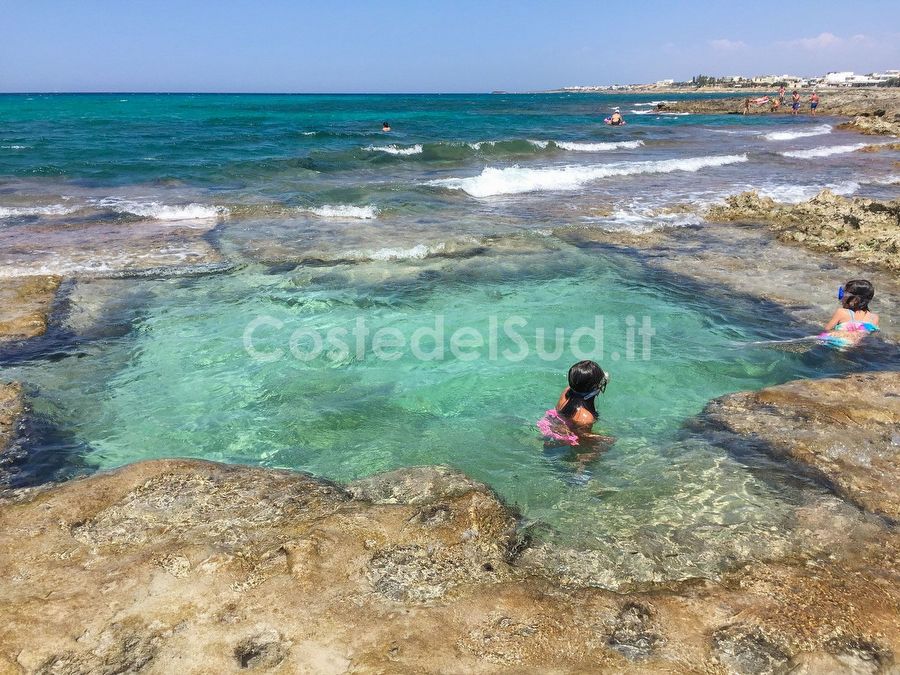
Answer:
(844, 431)
(197, 567)
(864, 230)
(25, 304)
(12, 408)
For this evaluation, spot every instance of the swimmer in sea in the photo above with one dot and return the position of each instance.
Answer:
(572, 420)
(385, 126)
(852, 321)
(616, 118)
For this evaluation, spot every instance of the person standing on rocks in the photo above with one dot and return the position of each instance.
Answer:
(795, 103)
(781, 95)
(813, 103)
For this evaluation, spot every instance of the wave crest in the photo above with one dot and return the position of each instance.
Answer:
(801, 133)
(516, 180)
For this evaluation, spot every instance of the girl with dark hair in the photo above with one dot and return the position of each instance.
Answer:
(576, 412)
(853, 320)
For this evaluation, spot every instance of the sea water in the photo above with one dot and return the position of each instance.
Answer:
(449, 223)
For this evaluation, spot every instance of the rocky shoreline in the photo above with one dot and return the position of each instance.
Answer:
(196, 567)
(863, 230)
(874, 111)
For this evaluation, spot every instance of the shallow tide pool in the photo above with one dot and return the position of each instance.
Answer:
(178, 381)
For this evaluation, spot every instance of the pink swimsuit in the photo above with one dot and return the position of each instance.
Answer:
(551, 424)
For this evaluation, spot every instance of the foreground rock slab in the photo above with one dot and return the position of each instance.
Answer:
(196, 567)
(25, 304)
(845, 431)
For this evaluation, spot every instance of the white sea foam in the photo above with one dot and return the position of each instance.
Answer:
(13, 147)
(890, 179)
(51, 210)
(643, 112)
(651, 103)
(597, 147)
(158, 211)
(417, 252)
(824, 151)
(516, 180)
(345, 211)
(396, 149)
(794, 194)
(540, 144)
(800, 133)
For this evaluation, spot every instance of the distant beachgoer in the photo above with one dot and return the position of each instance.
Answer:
(575, 412)
(775, 105)
(747, 106)
(813, 103)
(795, 102)
(616, 118)
(385, 126)
(853, 320)
(781, 94)
(762, 100)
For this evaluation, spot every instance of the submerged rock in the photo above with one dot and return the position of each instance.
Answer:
(12, 408)
(864, 230)
(844, 431)
(25, 304)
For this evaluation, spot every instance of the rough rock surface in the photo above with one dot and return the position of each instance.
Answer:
(879, 106)
(845, 431)
(864, 230)
(104, 248)
(25, 303)
(874, 126)
(186, 566)
(11, 410)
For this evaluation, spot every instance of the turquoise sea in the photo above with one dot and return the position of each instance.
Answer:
(476, 213)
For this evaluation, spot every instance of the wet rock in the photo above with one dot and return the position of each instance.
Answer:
(106, 249)
(873, 126)
(25, 304)
(12, 408)
(864, 230)
(745, 648)
(840, 430)
(634, 634)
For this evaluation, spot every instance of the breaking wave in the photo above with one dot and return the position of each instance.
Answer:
(824, 151)
(516, 180)
(801, 133)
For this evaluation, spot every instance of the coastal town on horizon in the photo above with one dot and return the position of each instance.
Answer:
(836, 79)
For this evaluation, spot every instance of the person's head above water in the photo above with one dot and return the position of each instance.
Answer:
(856, 295)
(586, 381)
(385, 126)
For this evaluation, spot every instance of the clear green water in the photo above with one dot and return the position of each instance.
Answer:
(181, 383)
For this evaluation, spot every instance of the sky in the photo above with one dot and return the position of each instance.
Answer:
(429, 46)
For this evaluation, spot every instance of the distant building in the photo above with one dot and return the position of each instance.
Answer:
(665, 83)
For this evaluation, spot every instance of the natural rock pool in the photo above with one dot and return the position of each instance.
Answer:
(137, 369)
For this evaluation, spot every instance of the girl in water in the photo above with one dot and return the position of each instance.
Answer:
(853, 320)
(575, 412)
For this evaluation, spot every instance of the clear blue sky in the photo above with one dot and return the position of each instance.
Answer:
(407, 46)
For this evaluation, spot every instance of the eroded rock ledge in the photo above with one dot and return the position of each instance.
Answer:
(188, 566)
(863, 230)
(845, 431)
(12, 408)
(25, 304)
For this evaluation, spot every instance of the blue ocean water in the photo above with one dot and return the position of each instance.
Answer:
(452, 218)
